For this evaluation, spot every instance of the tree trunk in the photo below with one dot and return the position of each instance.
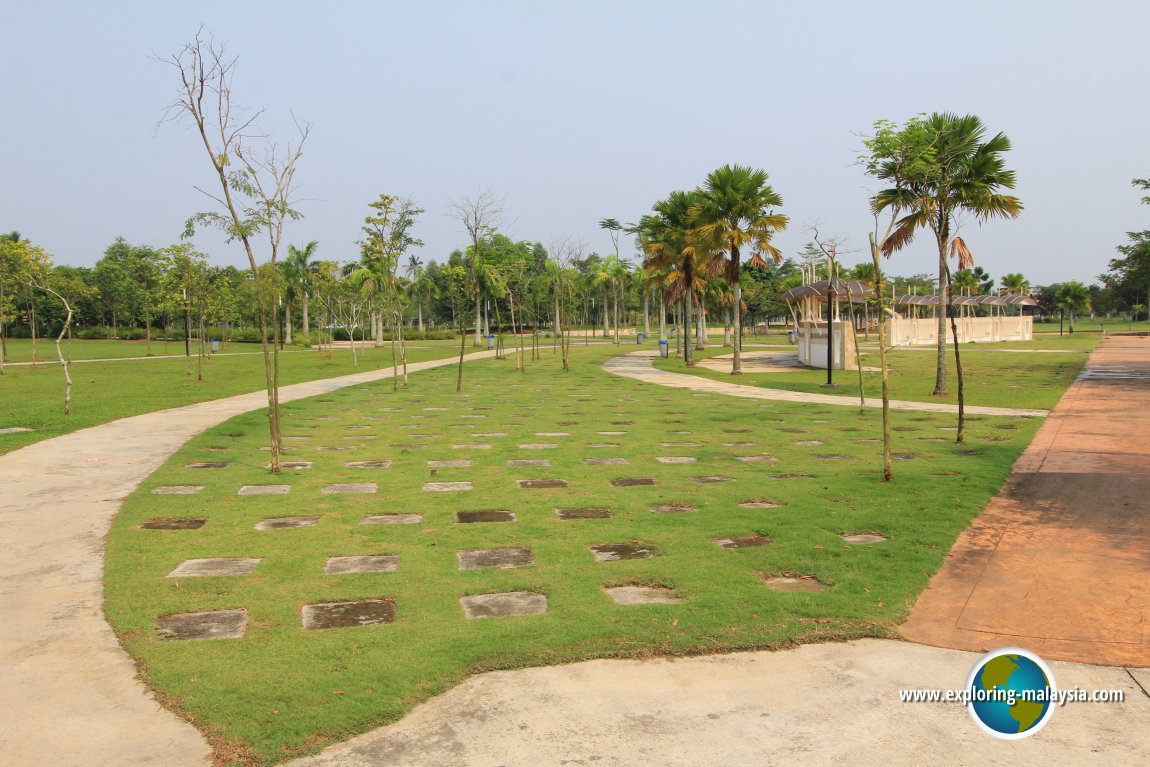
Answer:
(606, 314)
(478, 316)
(419, 309)
(559, 328)
(943, 311)
(615, 296)
(726, 327)
(957, 368)
(462, 349)
(887, 471)
(737, 301)
(306, 328)
(646, 312)
(287, 321)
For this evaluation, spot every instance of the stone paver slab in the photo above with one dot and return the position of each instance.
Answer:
(174, 523)
(178, 490)
(446, 487)
(641, 595)
(221, 566)
(350, 488)
(363, 612)
(505, 558)
(504, 605)
(361, 564)
(264, 490)
(285, 523)
(393, 519)
(213, 624)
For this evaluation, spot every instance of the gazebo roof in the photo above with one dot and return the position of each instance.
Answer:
(855, 290)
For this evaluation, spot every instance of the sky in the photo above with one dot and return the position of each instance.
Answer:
(576, 111)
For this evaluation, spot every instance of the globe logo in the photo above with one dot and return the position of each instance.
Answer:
(1011, 693)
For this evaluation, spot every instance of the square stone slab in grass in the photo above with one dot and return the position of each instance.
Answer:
(603, 444)
(738, 444)
(292, 465)
(471, 447)
(350, 488)
(756, 458)
(505, 605)
(368, 464)
(612, 552)
(207, 465)
(673, 508)
(491, 434)
(675, 459)
(760, 503)
(446, 487)
(528, 462)
(541, 484)
(214, 624)
(605, 461)
(641, 595)
(409, 446)
(449, 464)
(14, 430)
(437, 409)
(585, 513)
(680, 444)
(174, 523)
(611, 433)
(361, 564)
(178, 490)
(340, 447)
(473, 559)
(264, 490)
(223, 566)
(335, 615)
(809, 443)
(792, 583)
(393, 519)
(284, 523)
(711, 479)
(484, 515)
(792, 475)
(552, 434)
(743, 541)
(539, 446)
(472, 416)
(632, 481)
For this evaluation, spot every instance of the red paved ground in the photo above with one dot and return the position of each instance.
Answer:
(1059, 561)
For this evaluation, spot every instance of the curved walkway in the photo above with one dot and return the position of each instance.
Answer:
(638, 365)
(68, 692)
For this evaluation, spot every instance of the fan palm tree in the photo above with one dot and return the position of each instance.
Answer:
(299, 271)
(964, 174)
(618, 273)
(423, 287)
(735, 207)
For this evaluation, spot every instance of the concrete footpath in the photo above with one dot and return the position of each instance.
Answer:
(813, 706)
(1059, 561)
(637, 365)
(68, 692)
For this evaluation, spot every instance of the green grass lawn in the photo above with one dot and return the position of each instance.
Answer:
(993, 377)
(282, 691)
(33, 396)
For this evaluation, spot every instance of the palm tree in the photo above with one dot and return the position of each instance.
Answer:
(963, 174)
(735, 207)
(617, 273)
(683, 253)
(423, 287)
(1074, 297)
(299, 271)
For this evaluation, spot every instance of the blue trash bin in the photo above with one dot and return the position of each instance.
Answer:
(215, 344)
(664, 348)
(490, 342)
(639, 338)
(791, 336)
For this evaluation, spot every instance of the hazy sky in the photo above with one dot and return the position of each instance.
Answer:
(576, 111)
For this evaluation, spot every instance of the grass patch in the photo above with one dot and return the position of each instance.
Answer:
(33, 396)
(994, 377)
(282, 691)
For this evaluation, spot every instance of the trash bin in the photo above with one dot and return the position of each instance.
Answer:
(215, 344)
(664, 348)
(490, 342)
(791, 336)
(639, 338)
(674, 331)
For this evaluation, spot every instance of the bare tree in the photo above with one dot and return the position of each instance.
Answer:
(480, 216)
(255, 178)
(563, 252)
